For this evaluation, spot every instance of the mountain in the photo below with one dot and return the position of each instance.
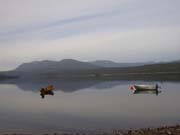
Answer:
(49, 66)
(177, 61)
(107, 63)
(70, 69)
(70, 64)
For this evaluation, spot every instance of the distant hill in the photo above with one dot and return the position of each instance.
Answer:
(4, 76)
(49, 66)
(107, 63)
(73, 69)
(71, 65)
(177, 61)
(74, 65)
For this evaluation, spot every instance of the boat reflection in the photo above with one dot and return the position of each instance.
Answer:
(49, 93)
(146, 92)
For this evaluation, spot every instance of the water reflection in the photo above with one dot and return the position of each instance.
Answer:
(65, 86)
(147, 92)
(99, 105)
(46, 93)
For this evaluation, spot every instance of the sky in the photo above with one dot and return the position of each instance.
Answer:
(87, 30)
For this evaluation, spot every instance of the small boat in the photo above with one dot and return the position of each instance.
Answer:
(47, 91)
(146, 87)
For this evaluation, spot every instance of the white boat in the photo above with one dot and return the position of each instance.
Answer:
(146, 87)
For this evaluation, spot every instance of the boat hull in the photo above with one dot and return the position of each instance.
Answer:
(146, 87)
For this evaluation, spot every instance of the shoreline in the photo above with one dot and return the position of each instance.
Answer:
(162, 130)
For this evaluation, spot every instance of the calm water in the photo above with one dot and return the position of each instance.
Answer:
(87, 105)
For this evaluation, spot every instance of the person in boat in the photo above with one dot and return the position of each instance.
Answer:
(157, 87)
(157, 92)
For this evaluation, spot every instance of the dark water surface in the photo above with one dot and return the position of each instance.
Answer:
(85, 105)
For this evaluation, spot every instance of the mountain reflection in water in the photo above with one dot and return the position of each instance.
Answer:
(65, 86)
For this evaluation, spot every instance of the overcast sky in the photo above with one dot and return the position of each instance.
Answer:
(119, 30)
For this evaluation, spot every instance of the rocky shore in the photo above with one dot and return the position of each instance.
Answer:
(164, 130)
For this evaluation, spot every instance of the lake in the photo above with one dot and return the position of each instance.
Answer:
(85, 106)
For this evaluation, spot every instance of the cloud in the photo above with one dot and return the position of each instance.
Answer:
(121, 30)
(130, 46)
(112, 15)
(22, 13)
